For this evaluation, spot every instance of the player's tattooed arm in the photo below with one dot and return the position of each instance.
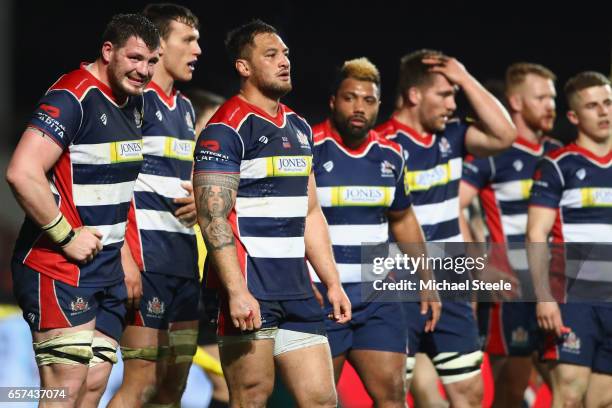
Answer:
(215, 198)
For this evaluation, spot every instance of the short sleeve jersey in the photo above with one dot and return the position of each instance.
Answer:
(503, 183)
(434, 165)
(93, 180)
(356, 188)
(273, 158)
(159, 242)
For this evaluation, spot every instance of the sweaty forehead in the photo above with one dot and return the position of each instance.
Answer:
(136, 44)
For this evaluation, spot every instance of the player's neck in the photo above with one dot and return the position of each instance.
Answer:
(100, 71)
(525, 131)
(163, 79)
(597, 147)
(408, 117)
(254, 96)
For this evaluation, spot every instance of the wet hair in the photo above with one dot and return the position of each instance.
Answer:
(163, 14)
(361, 69)
(517, 72)
(583, 80)
(124, 26)
(241, 40)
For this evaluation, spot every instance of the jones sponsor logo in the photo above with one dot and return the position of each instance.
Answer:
(601, 197)
(179, 149)
(291, 166)
(362, 195)
(155, 308)
(423, 180)
(129, 150)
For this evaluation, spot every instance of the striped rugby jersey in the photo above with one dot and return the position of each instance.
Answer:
(159, 242)
(273, 156)
(503, 183)
(434, 165)
(93, 180)
(356, 188)
(578, 184)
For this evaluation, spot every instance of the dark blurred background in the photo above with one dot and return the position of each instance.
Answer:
(39, 41)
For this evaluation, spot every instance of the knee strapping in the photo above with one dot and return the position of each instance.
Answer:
(410, 363)
(144, 353)
(454, 367)
(183, 344)
(70, 348)
(103, 351)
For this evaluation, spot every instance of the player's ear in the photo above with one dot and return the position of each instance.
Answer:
(572, 117)
(515, 102)
(413, 95)
(162, 46)
(332, 103)
(243, 68)
(107, 51)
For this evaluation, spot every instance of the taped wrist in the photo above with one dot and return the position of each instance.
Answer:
(60, 231)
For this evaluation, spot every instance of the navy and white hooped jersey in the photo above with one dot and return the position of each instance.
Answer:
(577, 183)
(434, 165)
(273, 156)
(503, 183)
(93, 180)
(356, 188)
(159, 242)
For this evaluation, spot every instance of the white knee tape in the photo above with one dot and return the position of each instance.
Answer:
(289, 340)
(454, 367)
(410, 363)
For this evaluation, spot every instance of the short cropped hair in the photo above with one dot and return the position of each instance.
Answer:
(240, 40)
(201, 99)
(163, 14)
(413, 72)
(517, 72)
(583, 80)
(361, 69)
(123, 26)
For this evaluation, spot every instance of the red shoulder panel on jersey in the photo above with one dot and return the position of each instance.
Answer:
(169, 100)
(79, 81)
(235, 109)
(574, 148)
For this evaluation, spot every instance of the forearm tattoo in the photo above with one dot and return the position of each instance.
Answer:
(215, 200)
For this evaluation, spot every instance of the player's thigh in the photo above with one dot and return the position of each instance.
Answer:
(570, 380)
(308, 374)
(382, 372)
(248, 364)
(599, 391)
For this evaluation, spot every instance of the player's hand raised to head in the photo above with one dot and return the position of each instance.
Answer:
(452, 69)
(341, 305)
(186, 213)
(85, 246)
(244, 311)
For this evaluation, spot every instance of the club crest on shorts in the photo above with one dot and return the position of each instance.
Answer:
(78, 305)
(571, 344)
(520, 336)
(155, 307)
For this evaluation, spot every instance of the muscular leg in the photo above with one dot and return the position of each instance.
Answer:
(309, 376)
(63, 375)
(460, 375)
(178, 362)
(98, 373)
(140, 376)
(599, 391)
(382, 373)
(511, 380)
(220, 392)
(424, 384)
(338, 363)
(569, 384)
(249, 371)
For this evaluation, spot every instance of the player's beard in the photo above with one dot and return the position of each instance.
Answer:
(538, 123)
(349, 132)
(116, 80)
(271, 89)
